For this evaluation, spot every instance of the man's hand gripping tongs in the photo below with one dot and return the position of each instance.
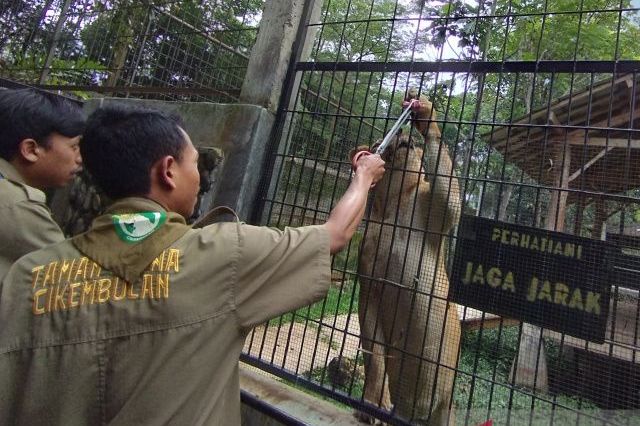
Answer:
(388, 137)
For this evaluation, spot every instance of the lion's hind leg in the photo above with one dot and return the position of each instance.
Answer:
(422, 359)
(376, 389)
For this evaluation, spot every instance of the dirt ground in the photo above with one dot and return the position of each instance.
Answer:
(300, 347)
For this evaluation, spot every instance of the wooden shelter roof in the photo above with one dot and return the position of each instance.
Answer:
(599, 125)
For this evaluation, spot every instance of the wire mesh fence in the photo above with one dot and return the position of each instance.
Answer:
(161, 49)
(529, 162)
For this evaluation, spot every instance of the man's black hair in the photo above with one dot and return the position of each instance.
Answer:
(33, 114)
(121, 144)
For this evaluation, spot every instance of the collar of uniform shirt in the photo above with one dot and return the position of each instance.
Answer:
(9, 172)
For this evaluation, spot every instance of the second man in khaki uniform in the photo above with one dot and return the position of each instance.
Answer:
(39, 149)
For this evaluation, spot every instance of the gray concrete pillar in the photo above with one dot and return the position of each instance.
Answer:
(294, 103)
(246, 153)
(271, 53)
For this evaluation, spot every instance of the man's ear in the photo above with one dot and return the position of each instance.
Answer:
(164, 169)
(29, 150)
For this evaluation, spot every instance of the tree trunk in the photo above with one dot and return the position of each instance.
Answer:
(28, 41)
(44, 75)
(505, 196)
(124, 26)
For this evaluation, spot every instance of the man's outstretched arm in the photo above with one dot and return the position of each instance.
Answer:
(347, 214)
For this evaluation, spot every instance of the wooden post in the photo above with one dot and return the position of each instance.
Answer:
(531, 364)
(599, 220)
(581, 204)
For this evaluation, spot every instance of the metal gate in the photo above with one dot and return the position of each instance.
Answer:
(536, 105)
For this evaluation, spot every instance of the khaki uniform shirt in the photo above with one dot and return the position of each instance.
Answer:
(25, 220)
(80, 345)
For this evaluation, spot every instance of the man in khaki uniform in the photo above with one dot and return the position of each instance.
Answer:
(142, 319)
(38, 150)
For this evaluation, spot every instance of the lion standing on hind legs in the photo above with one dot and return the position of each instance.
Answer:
(409, 332)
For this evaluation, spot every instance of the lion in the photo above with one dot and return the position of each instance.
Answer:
(410, 333)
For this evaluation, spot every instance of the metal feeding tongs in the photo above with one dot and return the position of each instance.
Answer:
(388, 137)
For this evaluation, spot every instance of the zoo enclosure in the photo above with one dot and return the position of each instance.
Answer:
(515, 84)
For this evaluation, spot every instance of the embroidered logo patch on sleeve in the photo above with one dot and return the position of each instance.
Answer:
(134, 227)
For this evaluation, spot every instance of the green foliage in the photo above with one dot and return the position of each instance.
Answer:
(520, 32)
(155, 43)
(566, 36)
(370, 34)
(451, 23)
(515, 30)
(19, 20)
(482, 388)
(63, 71)
(112, 29)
